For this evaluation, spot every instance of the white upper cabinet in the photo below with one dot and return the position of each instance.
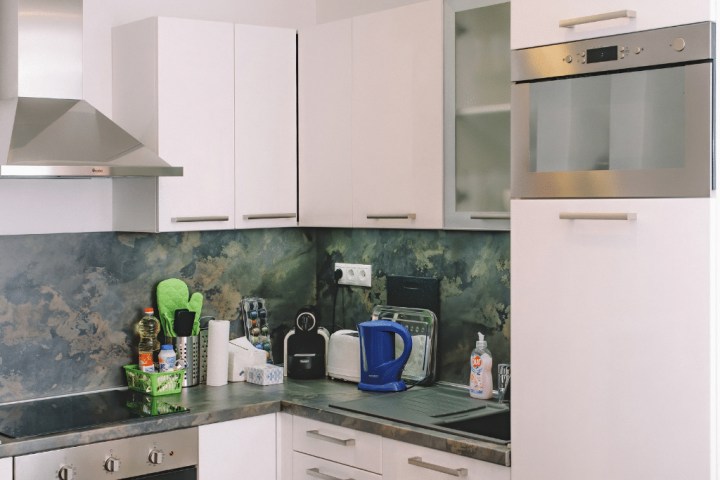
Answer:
(325, 94)
(265, 127)
(6, 468)
(173, 87)
(537, 23)
(371, 129)
(397, 117)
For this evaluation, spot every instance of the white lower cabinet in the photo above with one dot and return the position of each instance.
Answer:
(403, 460)
(307, 467)
(244, 448)
(6, 468)
(340, 445)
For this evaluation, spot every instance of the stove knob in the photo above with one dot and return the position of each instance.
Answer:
(112, 464)
(156, 457)
(66, 473)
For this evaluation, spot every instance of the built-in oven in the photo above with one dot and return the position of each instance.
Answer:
(168, 455)
(629, 115)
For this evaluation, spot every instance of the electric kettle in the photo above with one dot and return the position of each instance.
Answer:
(380, 371)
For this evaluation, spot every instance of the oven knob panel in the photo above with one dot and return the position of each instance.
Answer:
(66, 472)
(112, 464)
(156, 457)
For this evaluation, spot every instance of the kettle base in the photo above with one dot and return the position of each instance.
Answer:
(397, 386)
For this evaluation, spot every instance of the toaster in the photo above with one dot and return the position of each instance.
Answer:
(343, 361)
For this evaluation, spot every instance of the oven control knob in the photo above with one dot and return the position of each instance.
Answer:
(568, 59)
(678, 44)
(66, 473)
(112, 464)
(156, 457)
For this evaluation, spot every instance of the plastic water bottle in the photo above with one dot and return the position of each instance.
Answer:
(166, 358)
(148, 328)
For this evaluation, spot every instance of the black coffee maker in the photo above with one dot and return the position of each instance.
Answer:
(306, 347)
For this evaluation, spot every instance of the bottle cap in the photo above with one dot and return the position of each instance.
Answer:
(167, 347)
(149, 311)
(481, 341)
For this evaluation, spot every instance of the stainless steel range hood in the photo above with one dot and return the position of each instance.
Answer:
(46, 129)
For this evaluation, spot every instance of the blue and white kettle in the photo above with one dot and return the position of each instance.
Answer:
(380, 371)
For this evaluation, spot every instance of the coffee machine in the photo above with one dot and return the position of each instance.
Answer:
(380, 371)
(306, 347)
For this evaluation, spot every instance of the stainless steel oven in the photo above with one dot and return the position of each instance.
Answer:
(622, 116)
(167, 455)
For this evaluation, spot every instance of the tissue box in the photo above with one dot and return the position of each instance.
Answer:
(264, 374)
(241, 355)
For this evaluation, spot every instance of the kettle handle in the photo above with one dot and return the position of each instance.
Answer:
(407, 342)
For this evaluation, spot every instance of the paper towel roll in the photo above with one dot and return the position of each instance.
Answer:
(217, 361)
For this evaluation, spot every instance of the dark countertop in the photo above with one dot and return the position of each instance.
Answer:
(309, 398)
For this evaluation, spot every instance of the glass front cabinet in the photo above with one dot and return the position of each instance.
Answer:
(477, 115)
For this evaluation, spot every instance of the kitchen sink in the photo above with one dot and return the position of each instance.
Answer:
(494, 425)
(439, 407)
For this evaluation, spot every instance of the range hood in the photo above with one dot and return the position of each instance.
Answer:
(46, 129)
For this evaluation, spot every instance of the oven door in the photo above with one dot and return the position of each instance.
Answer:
(189, 473)
(641, 133)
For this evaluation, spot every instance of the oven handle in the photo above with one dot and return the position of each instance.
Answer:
(600, 17)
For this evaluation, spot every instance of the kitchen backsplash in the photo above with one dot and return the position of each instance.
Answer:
(69, 302)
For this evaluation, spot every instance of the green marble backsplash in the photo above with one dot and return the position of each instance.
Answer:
(69, 302)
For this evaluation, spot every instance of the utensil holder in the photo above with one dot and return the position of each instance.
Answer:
(188, 352)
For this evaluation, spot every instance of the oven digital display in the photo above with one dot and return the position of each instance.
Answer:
(604, 54)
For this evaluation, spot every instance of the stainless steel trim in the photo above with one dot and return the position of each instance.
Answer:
(392, 216)
(551, 61)
(490, 216)
(269, 216)
(346, 442)
(455, 472)
(694, 179)
(219, 218)
(315, 472)
(87, 461)
(600, 17)
(628, 216)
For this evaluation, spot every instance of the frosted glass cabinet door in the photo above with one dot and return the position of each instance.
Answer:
(477, 115)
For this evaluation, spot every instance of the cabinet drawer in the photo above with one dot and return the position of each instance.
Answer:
(306, 467)
(403, 460)
(338, 444)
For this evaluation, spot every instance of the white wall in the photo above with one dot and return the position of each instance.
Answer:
(328, 10)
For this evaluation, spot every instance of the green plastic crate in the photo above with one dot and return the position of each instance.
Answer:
(154, 383)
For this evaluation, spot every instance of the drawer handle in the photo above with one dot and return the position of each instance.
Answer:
(315, 472)
(490, 216)
(210, 218)
(600, 17)
(393, 216)
(628, 216)
(269, 216)
(345, 442)
(455, 472)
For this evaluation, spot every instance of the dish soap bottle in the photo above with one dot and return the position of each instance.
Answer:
(481, 384)
(147, 328)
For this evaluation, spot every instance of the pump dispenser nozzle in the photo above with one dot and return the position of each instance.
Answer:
(481, 343)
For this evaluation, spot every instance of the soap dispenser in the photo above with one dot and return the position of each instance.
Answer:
(481, 383)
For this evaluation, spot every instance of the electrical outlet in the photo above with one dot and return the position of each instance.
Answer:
(355, 274)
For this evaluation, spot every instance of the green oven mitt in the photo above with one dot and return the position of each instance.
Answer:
(173, 294)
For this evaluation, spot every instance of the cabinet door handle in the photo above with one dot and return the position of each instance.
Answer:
(455, 472)
(315, 472)
(600, 17)
(269, 216)
(220, 218)
(490, 216)
(392, 216)
(628, 216)
(346, 442)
